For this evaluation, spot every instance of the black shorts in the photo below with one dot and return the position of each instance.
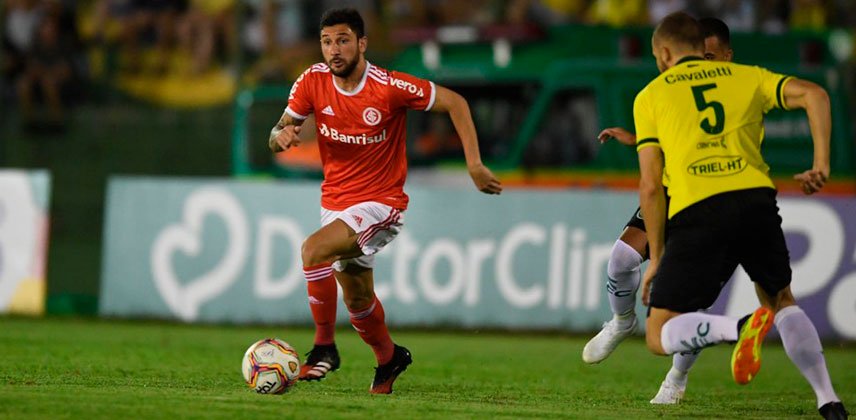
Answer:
(636, 220)
(707, 241)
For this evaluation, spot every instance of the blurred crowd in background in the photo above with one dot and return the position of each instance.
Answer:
(52, 49)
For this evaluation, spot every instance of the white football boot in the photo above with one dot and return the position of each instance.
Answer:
(669, 393)
(599, 347)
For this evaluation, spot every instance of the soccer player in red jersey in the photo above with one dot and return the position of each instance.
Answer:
(360, 112)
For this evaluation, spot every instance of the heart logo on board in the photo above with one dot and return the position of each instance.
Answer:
(184, 298)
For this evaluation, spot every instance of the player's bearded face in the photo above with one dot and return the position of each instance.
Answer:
(341, 49)
(342, 66)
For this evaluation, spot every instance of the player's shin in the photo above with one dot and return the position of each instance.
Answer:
(695, 331)
(323, 297)
(371, 325)
(624, 275)
(803, 347)
(681, 364)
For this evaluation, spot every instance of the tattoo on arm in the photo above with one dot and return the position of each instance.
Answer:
(285, 120)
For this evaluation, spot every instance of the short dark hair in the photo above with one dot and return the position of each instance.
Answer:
(681, 28)
(348, 16)
(714, 27)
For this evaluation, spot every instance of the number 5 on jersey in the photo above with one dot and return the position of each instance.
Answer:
(702, 104)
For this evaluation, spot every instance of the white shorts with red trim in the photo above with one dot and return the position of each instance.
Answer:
(376, 225)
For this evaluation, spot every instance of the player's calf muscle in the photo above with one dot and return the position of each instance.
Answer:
(357, 296)
(652, 338)
(653, 331)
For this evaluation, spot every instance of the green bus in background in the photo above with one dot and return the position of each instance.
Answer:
(540, 98)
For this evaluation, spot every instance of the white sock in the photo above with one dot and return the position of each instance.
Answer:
(803, 347)
(681, 364)
(624, 276)
(695, 331)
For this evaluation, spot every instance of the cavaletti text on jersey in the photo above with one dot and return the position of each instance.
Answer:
(698, 75)
(363, 138)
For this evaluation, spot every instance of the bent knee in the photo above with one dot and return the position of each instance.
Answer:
(623, 259)
(313, 253)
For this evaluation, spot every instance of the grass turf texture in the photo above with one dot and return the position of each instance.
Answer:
(81, 368)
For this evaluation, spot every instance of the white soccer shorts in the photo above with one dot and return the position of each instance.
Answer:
(376, 225)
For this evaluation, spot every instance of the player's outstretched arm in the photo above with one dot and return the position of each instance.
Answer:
(285, 133)
(621, 135)
(458, 109)
(799, 93)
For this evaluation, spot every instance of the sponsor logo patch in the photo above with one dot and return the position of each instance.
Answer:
(717, 166)
(335, 135)
(407, 87)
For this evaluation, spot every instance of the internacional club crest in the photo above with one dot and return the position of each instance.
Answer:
(371, 116)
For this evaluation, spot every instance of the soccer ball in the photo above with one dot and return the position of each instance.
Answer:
(271, 366)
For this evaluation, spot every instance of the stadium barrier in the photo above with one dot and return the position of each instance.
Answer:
(213, 250)
(24, 211)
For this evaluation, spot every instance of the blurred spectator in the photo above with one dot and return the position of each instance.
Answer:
(279, 38)
(48, 69)
(845, 11)
(739, 15)
(446, 12)
(21, 18)
(773, 16)
(617, 12)
(808, 14)
(204, 24)
(570, 10)
(155, 41)
(545, 12)
(659, 9)
(140, 23)
(410, 13)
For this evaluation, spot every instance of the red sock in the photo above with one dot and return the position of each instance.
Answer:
(323, 297)
(369, 323)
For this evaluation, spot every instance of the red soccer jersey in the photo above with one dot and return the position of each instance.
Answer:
(361, 134)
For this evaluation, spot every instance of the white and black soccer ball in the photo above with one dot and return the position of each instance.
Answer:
(271, 366)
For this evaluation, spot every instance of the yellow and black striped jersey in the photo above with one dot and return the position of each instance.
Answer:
(707, 117)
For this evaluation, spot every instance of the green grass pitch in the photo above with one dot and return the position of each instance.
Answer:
(91, 369)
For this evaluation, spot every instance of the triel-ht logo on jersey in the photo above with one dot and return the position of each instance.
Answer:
(335, 135)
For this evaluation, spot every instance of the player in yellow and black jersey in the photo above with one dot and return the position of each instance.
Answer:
(702, 123)
(712, 126)
(631, 250)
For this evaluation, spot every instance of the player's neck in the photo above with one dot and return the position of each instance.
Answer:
(686, 56)
(350, 83)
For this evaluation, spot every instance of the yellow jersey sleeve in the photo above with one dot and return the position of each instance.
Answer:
(643, 116)
(772, 89)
